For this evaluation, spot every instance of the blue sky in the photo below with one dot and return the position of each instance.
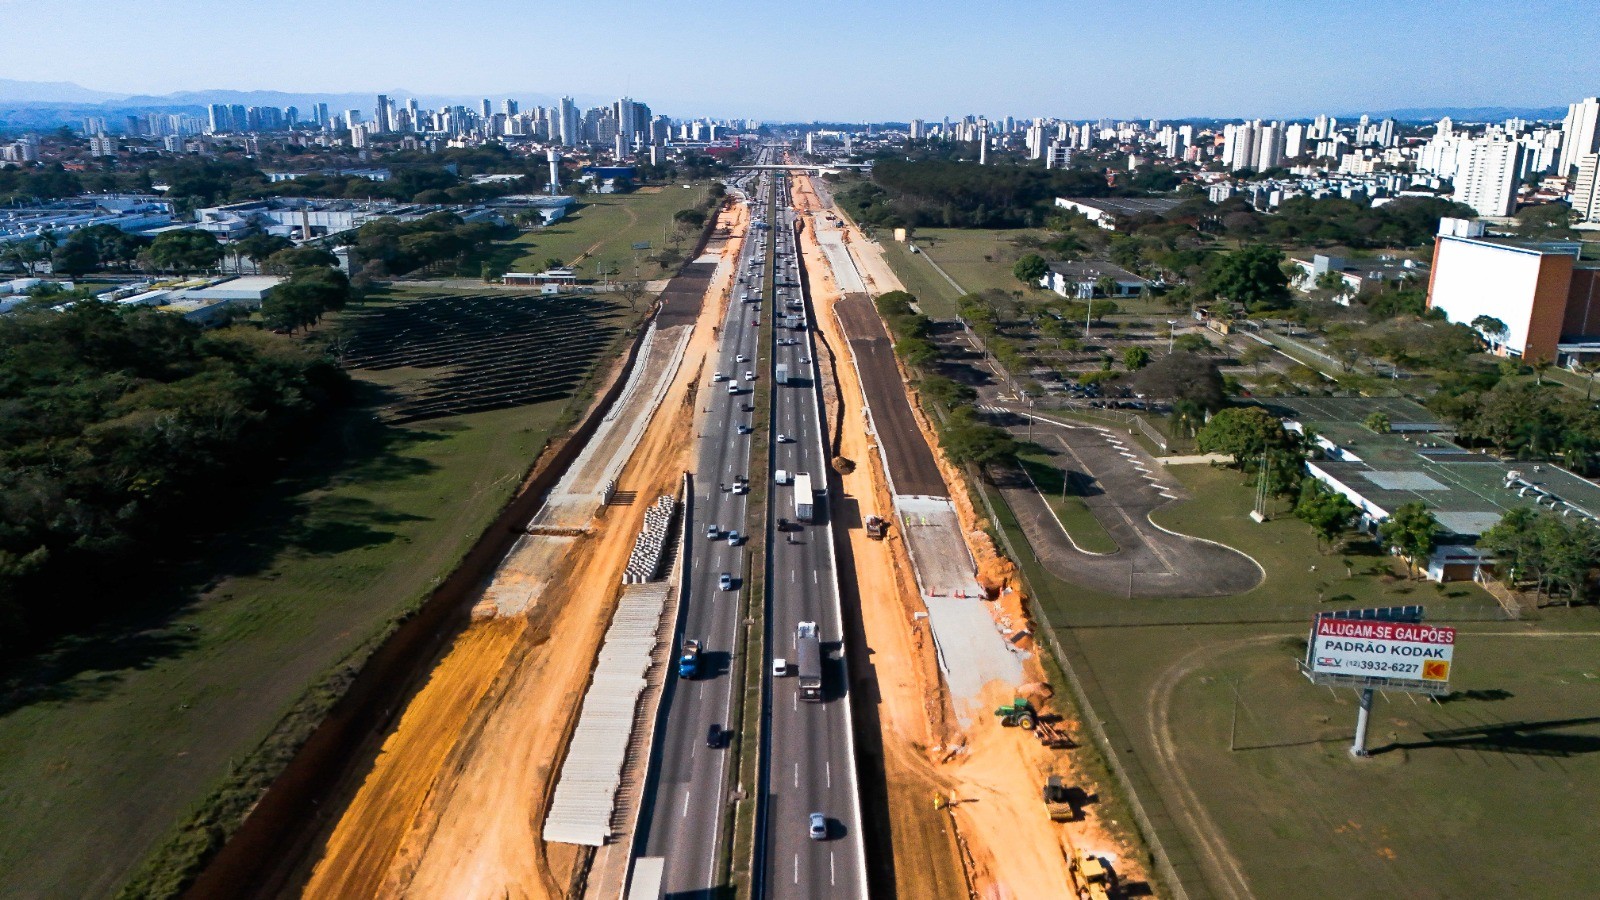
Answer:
(841, 60)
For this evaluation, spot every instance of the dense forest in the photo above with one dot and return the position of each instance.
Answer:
(962, 195)
(122, 431)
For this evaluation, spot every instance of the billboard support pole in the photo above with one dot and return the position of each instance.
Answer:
(1358, 749)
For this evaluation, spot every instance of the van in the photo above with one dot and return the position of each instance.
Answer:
(781, 476)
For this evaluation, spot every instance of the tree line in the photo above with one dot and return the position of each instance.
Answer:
(124, 430)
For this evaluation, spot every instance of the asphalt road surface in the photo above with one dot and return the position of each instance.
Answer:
(686, 807)
(808, 763)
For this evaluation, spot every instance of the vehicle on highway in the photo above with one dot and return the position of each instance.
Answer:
(741, 358)
(784, 438)
(818, 828)
(743, 428)
(733, 536)
(748, 407)
(804, 497)
(725, 581)
(713, 532)
(733, 388)
(781, 476)
(689, 659)
(749, 376)
(808, 653)
(718, 376)
(780, 667)
(741, 487)
(716, 737)
(806, 360)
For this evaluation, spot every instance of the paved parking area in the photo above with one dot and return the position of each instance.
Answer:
(1124, 486)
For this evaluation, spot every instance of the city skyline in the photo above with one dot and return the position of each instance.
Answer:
(1142, 59)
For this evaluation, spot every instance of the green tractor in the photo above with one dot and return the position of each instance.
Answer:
(1019, 713)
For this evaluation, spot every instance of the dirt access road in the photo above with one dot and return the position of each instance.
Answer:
(454, 801)
(1003, 843)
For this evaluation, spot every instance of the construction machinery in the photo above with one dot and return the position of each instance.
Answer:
(1058, 800)
(877, 527)
(1019, 713)
(1093, 877)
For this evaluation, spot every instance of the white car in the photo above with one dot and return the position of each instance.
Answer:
(741, 358)
(805, 360)
(718, 376)
(749, 376)
(785, 439)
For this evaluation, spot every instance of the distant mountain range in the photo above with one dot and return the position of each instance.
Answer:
(1468, 113)
(64, 93)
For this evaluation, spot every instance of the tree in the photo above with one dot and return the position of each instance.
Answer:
(259, 246)
(1192, 343)
(291, 259)
(1182, 376)
(1410, 531)
(187, 250)
(1030, 269)
(1252, 277)
(1378, 421)
(947, 392)
(689, 218)
(1253, 356)
(1135, 358)
(1244, 432)
(1329, 513)
(966, 439)
(74, 258)
(1493, 330)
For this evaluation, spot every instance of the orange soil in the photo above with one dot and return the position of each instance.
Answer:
(455, 802)
(1007, 843)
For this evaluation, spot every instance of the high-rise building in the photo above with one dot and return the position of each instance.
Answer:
(414, 113)
(918, 131)
(380, 120)
(1294, 140)
(1580, 134)
(508, 106)
(485, 109)
(569, 122)
(352, 118)
(220, 119)
(1269, 147)
(1586, 189)
(1486, 178)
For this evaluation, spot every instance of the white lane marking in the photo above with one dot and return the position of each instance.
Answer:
(796, 774)
(685, 804)
(814, 578)
(797, 868)
(792, 575)
(831, 873)
(828, 764)
(795, 701)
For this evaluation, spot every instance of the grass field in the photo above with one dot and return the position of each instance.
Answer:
(1081, 525)
(118, 737)
(1507, 769)
(604, 229)
(934, 294)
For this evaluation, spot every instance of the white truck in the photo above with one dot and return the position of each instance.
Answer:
(804, 497)
(782, 376)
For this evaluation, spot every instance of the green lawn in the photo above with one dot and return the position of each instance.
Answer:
(1507, 769)
(934, 294)
(1084, 529)
(119, 736)
(606, 226)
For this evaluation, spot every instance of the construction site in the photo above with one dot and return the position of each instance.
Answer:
(516, 763)
(968, 796)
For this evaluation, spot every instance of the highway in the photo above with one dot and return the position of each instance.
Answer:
(688, 804)
(808, 766)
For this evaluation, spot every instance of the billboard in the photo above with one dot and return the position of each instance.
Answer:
(1404, 651)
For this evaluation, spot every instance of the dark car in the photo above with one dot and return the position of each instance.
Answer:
(716, 738)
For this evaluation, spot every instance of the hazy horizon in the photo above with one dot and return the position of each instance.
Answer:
(891, 61)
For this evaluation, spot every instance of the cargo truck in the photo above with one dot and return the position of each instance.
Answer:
(804, 497)
(689, 659)
(808, 656)
(782, 376)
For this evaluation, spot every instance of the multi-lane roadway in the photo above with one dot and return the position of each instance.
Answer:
(808, 766)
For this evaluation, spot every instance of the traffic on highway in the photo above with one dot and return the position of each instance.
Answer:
(808, 842)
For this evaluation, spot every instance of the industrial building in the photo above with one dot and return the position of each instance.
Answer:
(303, 218)
(1547, 298)
(1415, 461)
(1106, 211)
(129, 212)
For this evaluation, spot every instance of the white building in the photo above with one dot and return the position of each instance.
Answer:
(1486, 179)
(1580, 133)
